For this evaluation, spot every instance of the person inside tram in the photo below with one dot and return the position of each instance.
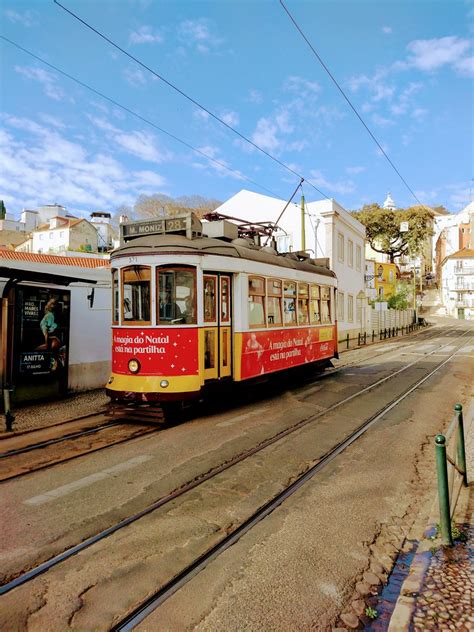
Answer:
(169, 309)
(188, 313)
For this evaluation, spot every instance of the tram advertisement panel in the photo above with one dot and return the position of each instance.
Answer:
(41, 341)
(164, 351)
(267, 351)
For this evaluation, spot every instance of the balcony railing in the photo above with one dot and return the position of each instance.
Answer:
(464, 270)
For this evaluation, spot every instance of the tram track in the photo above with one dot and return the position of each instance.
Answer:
(140, 613)
(11, 468)
(213, 472)
(123, 420)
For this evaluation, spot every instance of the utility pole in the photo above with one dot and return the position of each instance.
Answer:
(303, 228)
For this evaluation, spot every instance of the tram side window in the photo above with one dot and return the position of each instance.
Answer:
(210, 296)
(136, 294)
(176, 296)
(115, 297)
(289, 302)
(256, 303)
(314, 310)
(325, 304)
(303, 297)
(274, 295)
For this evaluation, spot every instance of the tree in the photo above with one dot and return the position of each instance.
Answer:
(158, 205)
(383, 229)
(3, 210)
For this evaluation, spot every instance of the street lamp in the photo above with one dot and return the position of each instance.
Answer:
(317, 221)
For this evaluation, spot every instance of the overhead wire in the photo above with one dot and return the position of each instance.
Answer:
(138, 116)
(188, 97)
(353, 108)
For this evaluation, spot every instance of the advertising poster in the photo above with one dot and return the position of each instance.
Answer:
(42, 338)
(164, 351)
(268, 351)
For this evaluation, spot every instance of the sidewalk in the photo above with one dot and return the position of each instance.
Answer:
(44, 414)
(438, 593)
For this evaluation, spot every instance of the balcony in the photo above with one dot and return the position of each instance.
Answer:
(464, 270)
(464, 287)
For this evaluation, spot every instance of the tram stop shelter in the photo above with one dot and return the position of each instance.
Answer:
(44, 299)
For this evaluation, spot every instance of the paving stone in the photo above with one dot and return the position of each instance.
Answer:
(371, 579)
(358, 606)
(350, 619)
(363, 588)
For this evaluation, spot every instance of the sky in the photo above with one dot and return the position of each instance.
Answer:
(406, 66)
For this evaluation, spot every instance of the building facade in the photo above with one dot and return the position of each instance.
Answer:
(457, 285)
(330, 232)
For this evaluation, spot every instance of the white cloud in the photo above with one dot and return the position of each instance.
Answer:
(231, 118)
(419, 113)
(145, 35)
(255, 96)
(27, 18)
(403, 98)
(465, 66)
(432, 54)
(140, 144)
(201, 115)
(342, 187)
(52, 120)
(302, 86)
(197, 34)
(386, 29)
(354, 170)
(265, 135)
(134, 76)
(381, 121)
(149, 179)
(47, 161)
(143, 145)
(283, 122)
(221, 167)
(47, 79)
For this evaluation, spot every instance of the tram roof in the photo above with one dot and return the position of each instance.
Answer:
(177, 244)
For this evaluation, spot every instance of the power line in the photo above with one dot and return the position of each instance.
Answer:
(186, 96)
(348, 101)
(138, 116)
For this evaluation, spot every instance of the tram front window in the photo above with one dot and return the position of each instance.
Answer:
(177, 300)
(136, 294)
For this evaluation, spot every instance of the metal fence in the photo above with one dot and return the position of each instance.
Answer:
(364, 338)
(451, 469)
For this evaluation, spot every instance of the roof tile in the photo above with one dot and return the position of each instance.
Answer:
(32, 257)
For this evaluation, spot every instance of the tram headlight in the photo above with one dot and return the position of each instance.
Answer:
(164, 383)
(134, 366)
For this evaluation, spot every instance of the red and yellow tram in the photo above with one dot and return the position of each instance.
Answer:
(191, 310)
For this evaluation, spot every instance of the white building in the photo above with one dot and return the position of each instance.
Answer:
(453, 232)
(331, 232)
(107, 236)
(457, 285)
(61, 234)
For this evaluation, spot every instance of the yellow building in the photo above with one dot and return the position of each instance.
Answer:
(385, 279)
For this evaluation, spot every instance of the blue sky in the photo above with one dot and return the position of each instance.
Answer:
(407, 66)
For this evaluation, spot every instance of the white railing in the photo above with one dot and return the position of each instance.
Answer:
(464, 270)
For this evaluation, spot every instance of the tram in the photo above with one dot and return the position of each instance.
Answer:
(201, 303)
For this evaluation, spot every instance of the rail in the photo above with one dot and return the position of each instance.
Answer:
(387, 332)
(450, 463)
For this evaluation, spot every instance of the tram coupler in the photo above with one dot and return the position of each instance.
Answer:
(9, 416)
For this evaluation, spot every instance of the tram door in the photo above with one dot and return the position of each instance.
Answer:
(217, 329)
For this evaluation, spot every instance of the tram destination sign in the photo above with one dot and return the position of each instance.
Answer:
(187, 224)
